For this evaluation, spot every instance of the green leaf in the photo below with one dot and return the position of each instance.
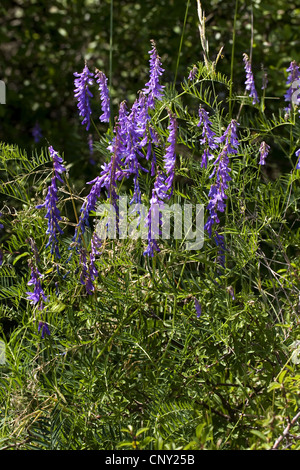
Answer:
(259, 434)
(20, 256)
(141, 430)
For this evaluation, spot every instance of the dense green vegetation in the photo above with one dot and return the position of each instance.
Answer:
(134, 364)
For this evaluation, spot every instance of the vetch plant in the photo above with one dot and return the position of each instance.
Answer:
(53, 213)
(250, 85)
(263, 152)
(104, 94)
(153, 89)
(83, 94)
(141, 328)
(208, 137)
(293, 82)
(221, 172)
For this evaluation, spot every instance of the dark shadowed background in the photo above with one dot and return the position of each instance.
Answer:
(42, 43)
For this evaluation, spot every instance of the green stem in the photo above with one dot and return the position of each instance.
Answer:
(95, 127)
(232, 59)
(181, 41)
(111, 55)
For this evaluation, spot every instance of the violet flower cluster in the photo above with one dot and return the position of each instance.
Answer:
(44, 329)
(162, 190)
(111, 172)
(50, 204)
(293, 81)
(170, 155)
(153, 88)
(263, 152)
(133, 140)
(88, 206)
(83, 94)
(221, 172)
(193, 73)
(104, 95)
(132, 135)
(208, 137)
(198, 308)
(250, 85)
(37, 296)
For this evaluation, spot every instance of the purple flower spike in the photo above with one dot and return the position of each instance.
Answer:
(83, 94)
(297, 153)
(170, 155)
(294, 85)
(230, 138)
(53, 213)
(131, 134)
(250, 86)
(104, 95)
(221, 172)
(193, 73)
(198, 308)
(161, 190)
(88, 205)
(53, 216)
(111, 172)
(58, 167)
(208, 137)
(263, 151)
(153, 88)
(44, 328)
(37, 296)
